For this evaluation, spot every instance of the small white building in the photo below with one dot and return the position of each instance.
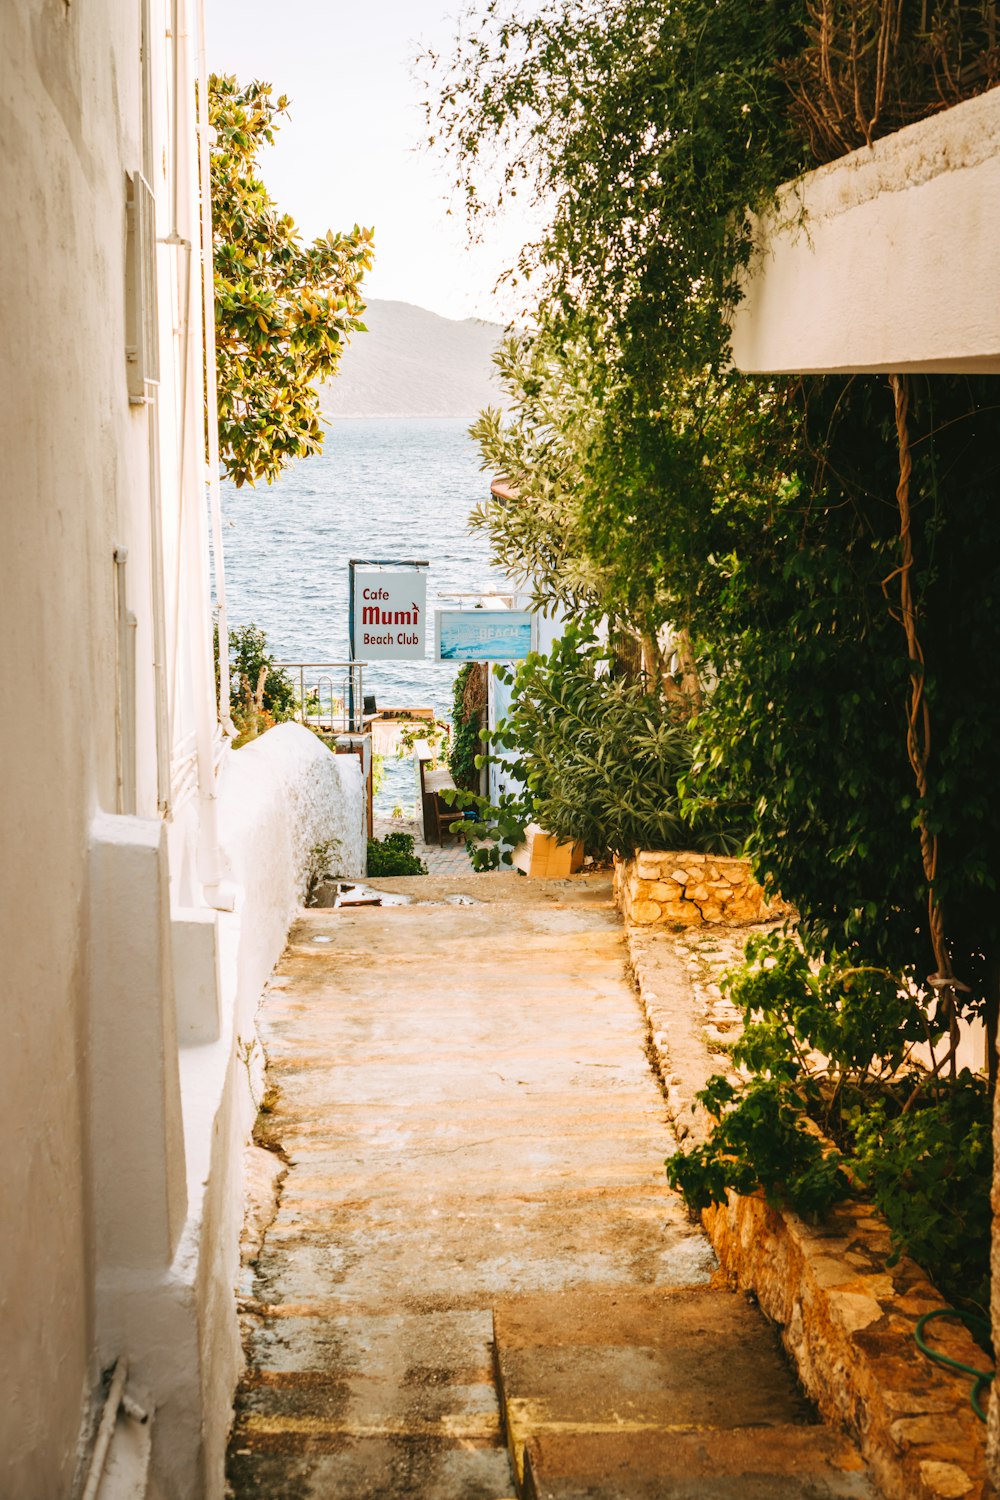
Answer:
(149, 872)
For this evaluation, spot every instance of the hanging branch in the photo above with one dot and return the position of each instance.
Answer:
(871, 66)
(918, 725)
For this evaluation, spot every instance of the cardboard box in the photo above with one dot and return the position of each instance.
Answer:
(546, 857)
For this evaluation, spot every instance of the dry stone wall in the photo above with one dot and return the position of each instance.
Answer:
(690, 889)
(847, 1319)
(846, 1316)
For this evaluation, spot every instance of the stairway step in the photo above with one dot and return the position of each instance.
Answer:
(773, 1463)
(672, 1392)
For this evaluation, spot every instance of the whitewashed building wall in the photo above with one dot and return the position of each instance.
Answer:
(133, 947)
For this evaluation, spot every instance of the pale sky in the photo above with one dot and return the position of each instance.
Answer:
(349, 151)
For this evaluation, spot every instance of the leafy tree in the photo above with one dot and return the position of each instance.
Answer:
(283, 310)
(759, 515)
(649, 132)
(762, 516)
(248, 658)
(599, 758)
(539, 448)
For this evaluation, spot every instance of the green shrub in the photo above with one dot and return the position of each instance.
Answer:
(930, 1173)
(394, 855)
(761, 1141)
(828, 1045)
(599, 758)
(248, 655)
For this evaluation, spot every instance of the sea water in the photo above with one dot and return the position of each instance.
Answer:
(381, 488)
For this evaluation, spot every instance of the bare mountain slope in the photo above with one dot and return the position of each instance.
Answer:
(413, 363)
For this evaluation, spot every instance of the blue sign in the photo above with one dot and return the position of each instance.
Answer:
(483, 634)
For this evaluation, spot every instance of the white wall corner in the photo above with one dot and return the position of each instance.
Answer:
(195, 952)
(885, 260)
(136, 1142)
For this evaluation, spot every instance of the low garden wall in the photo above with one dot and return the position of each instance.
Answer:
(847, 1318)
(691, 889)
(845, 1314)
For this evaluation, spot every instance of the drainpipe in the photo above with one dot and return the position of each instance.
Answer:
(175, 59)
(117, 1400)
(157, 569)
(211, 399)
(176, 239)
(217, 892)
(163, 787)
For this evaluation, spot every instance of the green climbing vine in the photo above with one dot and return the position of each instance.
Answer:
(468, 717)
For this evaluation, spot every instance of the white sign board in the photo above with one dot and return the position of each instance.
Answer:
(390, 613)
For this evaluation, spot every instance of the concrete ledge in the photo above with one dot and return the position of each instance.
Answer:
(846, 1318)
(884, 260)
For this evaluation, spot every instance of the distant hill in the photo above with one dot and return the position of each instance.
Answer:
(413, 363)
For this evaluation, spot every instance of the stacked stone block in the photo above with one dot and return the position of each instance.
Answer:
(690, 889)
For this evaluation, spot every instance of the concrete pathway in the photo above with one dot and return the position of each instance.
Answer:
(475, 1214)
(451, 858)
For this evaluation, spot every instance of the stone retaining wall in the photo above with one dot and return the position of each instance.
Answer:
(845, 1315)
(691, 889)
(847, 1319)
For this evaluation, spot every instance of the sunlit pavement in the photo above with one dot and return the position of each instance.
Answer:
(475, 1196)
(451, 859)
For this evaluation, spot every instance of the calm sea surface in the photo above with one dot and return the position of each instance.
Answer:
(380, 489)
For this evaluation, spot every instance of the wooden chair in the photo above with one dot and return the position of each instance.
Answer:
(436, 813)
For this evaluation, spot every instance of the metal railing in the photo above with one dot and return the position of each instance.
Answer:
(329, 694)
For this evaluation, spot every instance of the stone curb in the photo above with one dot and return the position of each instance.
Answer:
(846, 1318)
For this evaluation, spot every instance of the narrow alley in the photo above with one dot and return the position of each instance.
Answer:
(475, 1254)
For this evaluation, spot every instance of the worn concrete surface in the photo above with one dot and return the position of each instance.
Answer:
(648, 1394)
(469, 1122)
(776, 1463)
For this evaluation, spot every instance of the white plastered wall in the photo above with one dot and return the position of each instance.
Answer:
(120, 1178)
(74, 457)
(884, 260)
(279, 797)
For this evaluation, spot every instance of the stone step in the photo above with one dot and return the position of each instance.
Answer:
(366, 1404)
(755, 1463)
(677, 1394)
(344, 1464)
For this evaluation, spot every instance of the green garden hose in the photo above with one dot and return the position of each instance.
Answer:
(981, 1378)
